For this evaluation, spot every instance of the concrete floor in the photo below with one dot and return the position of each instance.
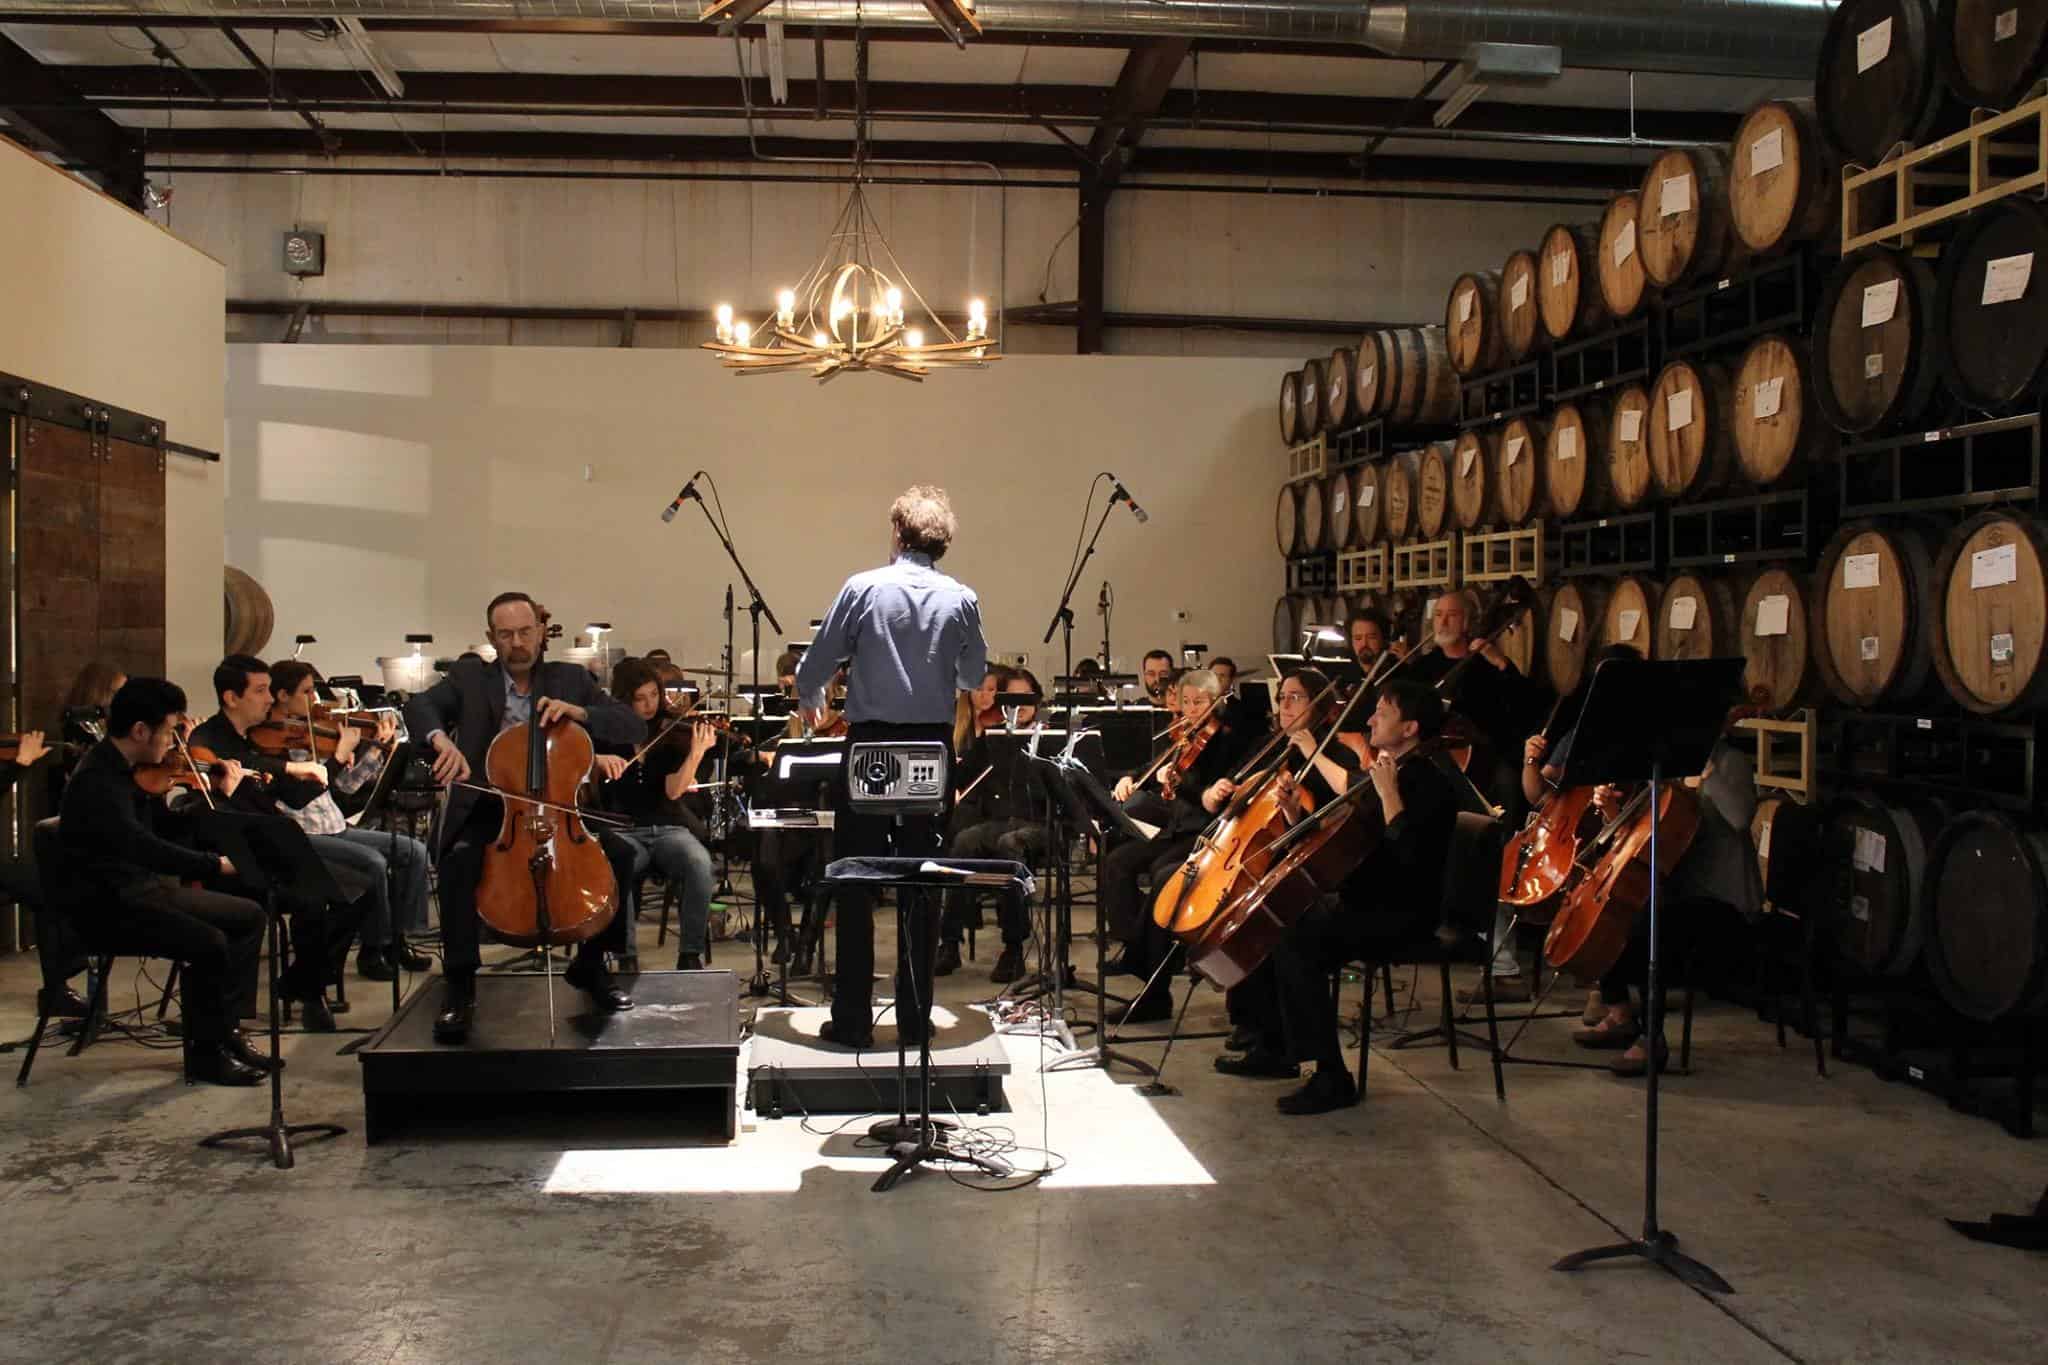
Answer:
(1420, 1226)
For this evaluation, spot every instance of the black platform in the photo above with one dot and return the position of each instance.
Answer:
(790, 1070)
(683, 1035)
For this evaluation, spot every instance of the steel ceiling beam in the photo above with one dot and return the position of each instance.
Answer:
(45, 111)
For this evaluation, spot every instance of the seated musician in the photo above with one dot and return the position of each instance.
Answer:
(56, 942)
(1391, 902)
(394, 865)
(132, 896)
(648, 788)
(999, 818)
(1492, 697)
(1711, 895)
(1198, 795)
(1156, 671)
(459, 716)
(1367, 634)
(320, 933)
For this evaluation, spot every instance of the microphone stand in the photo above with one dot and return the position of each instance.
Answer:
(757, 607)
(1063, 615)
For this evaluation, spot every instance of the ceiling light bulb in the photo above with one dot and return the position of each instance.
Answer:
(894, 298)
(977, 311)
(743, 331)
(785, 308)
(914, 338)
(819, 339)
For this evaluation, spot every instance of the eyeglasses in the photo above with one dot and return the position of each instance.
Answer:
(1299, 698)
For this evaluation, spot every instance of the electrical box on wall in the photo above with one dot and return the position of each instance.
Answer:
(305, 253)
(1013, 659)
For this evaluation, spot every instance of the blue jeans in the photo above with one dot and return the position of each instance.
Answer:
(376, 854)
(682, 862)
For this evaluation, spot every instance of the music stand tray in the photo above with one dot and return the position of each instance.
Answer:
(1640, 722)
(273, 856)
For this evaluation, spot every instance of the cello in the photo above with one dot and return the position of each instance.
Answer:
(545, 879)
(1593, 924)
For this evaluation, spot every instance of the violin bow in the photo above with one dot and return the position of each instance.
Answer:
(193, 764)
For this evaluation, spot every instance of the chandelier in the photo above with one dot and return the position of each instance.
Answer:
(851, 310)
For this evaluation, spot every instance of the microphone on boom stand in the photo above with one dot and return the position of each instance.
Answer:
(689, 491)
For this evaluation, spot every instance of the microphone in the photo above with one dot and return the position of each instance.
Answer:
(689, 491)
(1122, 492)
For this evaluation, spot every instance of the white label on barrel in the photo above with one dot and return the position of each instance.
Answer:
(1773, 615)
(1465, 304)
(1873, 365)
(1678, 410)
(1567, 443)
(1859, 571)
(1515, 444)
(2006, 25)
(1866, 649)
(1518, 293)
(1567, 624)
(1870, 850)
(1880, 301)
(1632, 426)
(2005, 279)
(1999, 564)
(1365, 495)
(1676, 194)
(1859, 906)
(1767, 398)
(1465, 458)
(1339, 501)
(1684, 612)
(1365, 376)
(2001, 648)
(1630, 621)
(1767, 153)
(1560, 268)
(1763, 840)
(1872, 44)
(1625, 242)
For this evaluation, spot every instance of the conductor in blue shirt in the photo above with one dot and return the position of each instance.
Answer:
(911, 638)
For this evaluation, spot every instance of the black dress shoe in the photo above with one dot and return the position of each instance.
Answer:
(800, 964)
(689, 962)
(374, 964)
(1008, 967)
(948, 960)
(594, 980)
(832, 1032)
(1122, 965)
(1325, 1091)
(314, 1014)
(239, 1044)
(1243, 1038)
(410, 959)
(780, 953)
(458, 1010)
(1258, 1062)
(63, 1003)
(217, 1064)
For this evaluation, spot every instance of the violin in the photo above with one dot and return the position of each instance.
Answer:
(195, 767)
(281, 737)
(545, 879)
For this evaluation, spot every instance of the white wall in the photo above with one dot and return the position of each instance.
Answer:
(614, 244)
(381, 490)
(102, 302)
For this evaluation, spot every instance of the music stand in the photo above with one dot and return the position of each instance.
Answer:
(273, 856)
(375, 808)
(1641, 721)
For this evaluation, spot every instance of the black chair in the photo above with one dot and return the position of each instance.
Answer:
(1464, 937)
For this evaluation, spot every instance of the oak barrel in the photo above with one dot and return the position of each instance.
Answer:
(1369, 393)
(1522, 642)
(1475, 488)
(1682, 227)
(1421, 382)
(1575, 459)
(1287, 613)
(1692, 448)
(1472, 323)
(1990, 52)
(1339, 371)
(1776, 636)
(1339, 499)
(1310, 394)
(1876, 376)
(1628, 448)
(1518, 476)
(1877, 85)
(1879, 855)
(1630, 614)
(1368, 505)
(1991, 308)
(1987, 913)
(1399, 487)
(1992, 598)
(1697, 618)
(1623, 283)
(1786, 836)
(1784, 185)
(1573, 618)
(1777, 422)
(1568, 297)
(1521, 321)
(1315, 515)
(247, 617)
(1287, 528)
(1873, 613)
(1433, 489)
(1290, 408)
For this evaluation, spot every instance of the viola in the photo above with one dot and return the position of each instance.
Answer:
(1593, 924)
(195, 767)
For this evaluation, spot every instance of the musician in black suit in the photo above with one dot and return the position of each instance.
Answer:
(458, 717)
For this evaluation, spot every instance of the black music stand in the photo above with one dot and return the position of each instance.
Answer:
(1641, 721)
(377, 807)
(274, 857)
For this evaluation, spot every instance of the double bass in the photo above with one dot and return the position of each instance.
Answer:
(545, 878)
